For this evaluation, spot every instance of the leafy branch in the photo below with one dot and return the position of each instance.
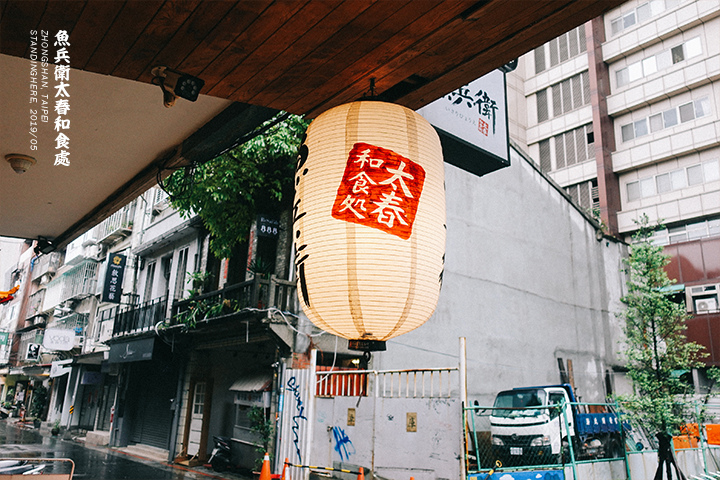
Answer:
(229, 191)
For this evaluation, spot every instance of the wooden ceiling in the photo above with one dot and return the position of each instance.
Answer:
(302, 56)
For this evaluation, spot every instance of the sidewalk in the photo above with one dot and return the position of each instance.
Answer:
(139, 453)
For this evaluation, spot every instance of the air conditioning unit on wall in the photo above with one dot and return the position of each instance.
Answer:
(702, 299)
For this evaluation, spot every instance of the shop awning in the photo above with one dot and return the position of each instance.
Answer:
(673, 289)
(256, 382)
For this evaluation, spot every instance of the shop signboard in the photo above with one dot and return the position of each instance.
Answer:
(112, 287)
(472, 123)
(59, 340)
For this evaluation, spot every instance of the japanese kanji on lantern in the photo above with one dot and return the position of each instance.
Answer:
(369, 221)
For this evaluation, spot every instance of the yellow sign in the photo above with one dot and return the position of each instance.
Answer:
(411, 422)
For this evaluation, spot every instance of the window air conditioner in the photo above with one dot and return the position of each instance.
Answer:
(705, 305)
(702, 299)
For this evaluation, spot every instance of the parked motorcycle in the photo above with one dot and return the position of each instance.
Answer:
(20, 467)
(220, 456)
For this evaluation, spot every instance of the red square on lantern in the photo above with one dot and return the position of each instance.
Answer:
(379, 189)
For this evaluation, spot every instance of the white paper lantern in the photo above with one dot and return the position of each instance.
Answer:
(369, 221)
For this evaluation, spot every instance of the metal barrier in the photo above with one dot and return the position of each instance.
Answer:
(535, 438)
(413, 383)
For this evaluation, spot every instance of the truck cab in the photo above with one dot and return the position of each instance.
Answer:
(528, 425)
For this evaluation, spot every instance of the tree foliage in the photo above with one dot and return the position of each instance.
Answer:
(229, 191)
(657, 350)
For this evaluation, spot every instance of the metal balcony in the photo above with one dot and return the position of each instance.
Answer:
(35, 304)
(116, 226)
(136, 319)
(45, 264)
(258, 293)
(78, 282)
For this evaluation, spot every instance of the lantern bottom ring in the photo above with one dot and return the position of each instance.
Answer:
(367, 345)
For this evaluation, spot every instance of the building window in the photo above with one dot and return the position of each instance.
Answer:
(665, 59)
(542, 105)
(545, 157)
(561, 49)
(686, 112)
(199, 398)
(585, 195)
(642, 13)
(539, 59)
(705, 172)
(687, 232)
(149, 279)
(572, 147)
(568, 95)
(180, 274)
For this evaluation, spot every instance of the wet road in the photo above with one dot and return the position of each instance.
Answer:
(91, 462)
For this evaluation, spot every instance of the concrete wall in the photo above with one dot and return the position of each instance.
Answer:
(526, 282)
(431, 452)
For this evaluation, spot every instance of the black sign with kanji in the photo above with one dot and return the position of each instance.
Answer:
(112, 288)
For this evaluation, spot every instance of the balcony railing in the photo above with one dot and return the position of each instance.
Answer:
(77, 322)
(45, 264)
(117, 225)
(35, 304)
(257, 293)
(79, 281)
(135, 319)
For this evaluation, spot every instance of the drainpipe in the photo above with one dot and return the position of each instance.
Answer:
(463, 404)
(176, 412)
(311, 411)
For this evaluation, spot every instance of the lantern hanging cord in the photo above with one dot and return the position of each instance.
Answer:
(370, 94)
(274, 310)
(322, 378)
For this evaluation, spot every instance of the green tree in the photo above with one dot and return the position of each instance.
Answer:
(230, 190)
(656, 347)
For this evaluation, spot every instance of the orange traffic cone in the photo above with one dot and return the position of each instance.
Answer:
(265, 471)
(361, 474)
(284, 468)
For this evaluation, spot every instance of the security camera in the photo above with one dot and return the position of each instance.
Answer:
(19, 162)
(176, 84)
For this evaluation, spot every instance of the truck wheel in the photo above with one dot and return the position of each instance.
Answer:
(614, 450)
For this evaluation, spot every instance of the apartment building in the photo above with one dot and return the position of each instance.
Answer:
(623, 113)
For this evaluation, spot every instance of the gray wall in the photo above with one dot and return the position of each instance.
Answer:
(380, 430)
(526, 282)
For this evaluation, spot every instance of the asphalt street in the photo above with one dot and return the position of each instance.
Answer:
(93, 462)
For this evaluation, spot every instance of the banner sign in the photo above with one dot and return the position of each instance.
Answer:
(474, 115)
(4, 338)
(132, 351)
(60, 368)
(33, 351)
(59, 340)
(520, 475)
(112, 287)
(267, 227)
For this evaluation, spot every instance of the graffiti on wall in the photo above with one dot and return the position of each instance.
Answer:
(343, 444)
(293, 386)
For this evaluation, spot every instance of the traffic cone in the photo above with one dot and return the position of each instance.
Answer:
(284, 468)
(265, 471)
(361, 474)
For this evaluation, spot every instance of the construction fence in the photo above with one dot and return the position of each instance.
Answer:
(532, 442)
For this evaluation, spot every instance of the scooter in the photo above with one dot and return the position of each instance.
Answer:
(220, 456)
(19, 467)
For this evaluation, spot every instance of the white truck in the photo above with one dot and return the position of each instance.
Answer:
(535, 425)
